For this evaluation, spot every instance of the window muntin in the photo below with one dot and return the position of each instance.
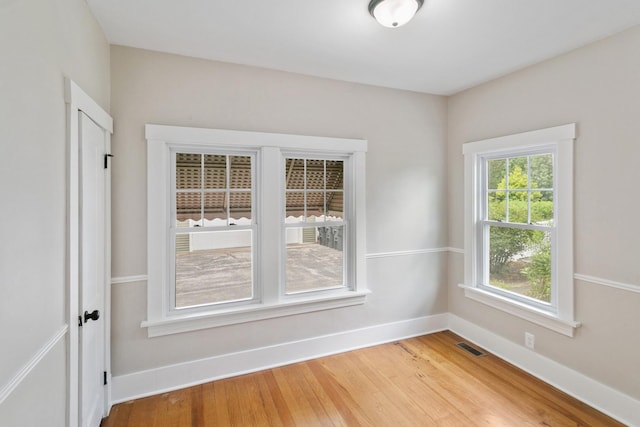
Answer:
(314, 189)
(516, 226)
(213, 236)
(315, 254)
(520, 189)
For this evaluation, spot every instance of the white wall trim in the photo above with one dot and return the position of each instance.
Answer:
(455, 250)
(237, 138)
(10, 387)
(129, 279)
(254, 312)
(173, 377)
(521, 140)
(80, 101)
(405, 253)
(612, 402)
(610, 283)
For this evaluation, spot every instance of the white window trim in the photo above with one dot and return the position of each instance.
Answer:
(561, 318)
(160, 139)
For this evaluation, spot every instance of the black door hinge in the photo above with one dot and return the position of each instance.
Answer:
(106, 160)
(79, 320)
(105, 378)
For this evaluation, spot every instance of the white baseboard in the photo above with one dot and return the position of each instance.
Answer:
(597, 395)
(174, 377)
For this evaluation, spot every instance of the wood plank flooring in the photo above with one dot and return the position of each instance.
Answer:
(423, 381)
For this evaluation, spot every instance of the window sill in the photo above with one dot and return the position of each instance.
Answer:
(523, 311)
(250, 313)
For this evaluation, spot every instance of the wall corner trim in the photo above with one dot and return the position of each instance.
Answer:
(159, 380)
(612, 402)
(14, 382)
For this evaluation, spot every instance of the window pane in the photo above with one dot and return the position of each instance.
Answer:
(189, 207)
(215, 171)
(188, 171)
(315, 258)
(240, 171)
(294, 206)
(335, 206)
(315, 174)
(320, 175)
(335, 174)
(294, 174)
(215, 208)
(520, 262)
(542, 207)
(497, 172)
(240, 207)
(518, 206)
(497, 205)
(518, 177)
(213, 267)
(315, 205)
(542, 171)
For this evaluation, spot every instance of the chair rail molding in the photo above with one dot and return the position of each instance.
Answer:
(42, 352)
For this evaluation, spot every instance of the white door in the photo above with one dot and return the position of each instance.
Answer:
(93, 184)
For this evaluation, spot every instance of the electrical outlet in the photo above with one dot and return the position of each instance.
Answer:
(529, 340)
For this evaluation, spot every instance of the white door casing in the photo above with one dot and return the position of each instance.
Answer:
(88, 258)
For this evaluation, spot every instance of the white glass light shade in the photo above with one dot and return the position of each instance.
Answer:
(394, 13)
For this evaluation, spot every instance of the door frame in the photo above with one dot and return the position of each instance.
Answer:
(78, 101)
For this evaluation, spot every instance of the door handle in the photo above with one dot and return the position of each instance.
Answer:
(94, 315)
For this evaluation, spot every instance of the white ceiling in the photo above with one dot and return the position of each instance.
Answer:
(449, 46)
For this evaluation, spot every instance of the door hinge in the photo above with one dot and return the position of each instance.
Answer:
(105, 378)
(106, 160)
(79, 320)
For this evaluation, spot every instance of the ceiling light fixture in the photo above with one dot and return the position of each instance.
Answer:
(394, 13)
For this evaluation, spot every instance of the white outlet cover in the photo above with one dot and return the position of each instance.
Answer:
(529, 340)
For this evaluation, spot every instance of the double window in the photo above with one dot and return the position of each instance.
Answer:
(246, 226)
(518, 225)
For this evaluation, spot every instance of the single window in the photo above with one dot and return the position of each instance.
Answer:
(213, 232)
(245, 226)
(314, 224)
(518, 225)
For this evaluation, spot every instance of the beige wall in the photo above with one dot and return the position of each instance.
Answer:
(598, 87)
(41, 41)
(406, 190)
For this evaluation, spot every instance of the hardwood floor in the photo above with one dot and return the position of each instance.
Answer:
(423, 381)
